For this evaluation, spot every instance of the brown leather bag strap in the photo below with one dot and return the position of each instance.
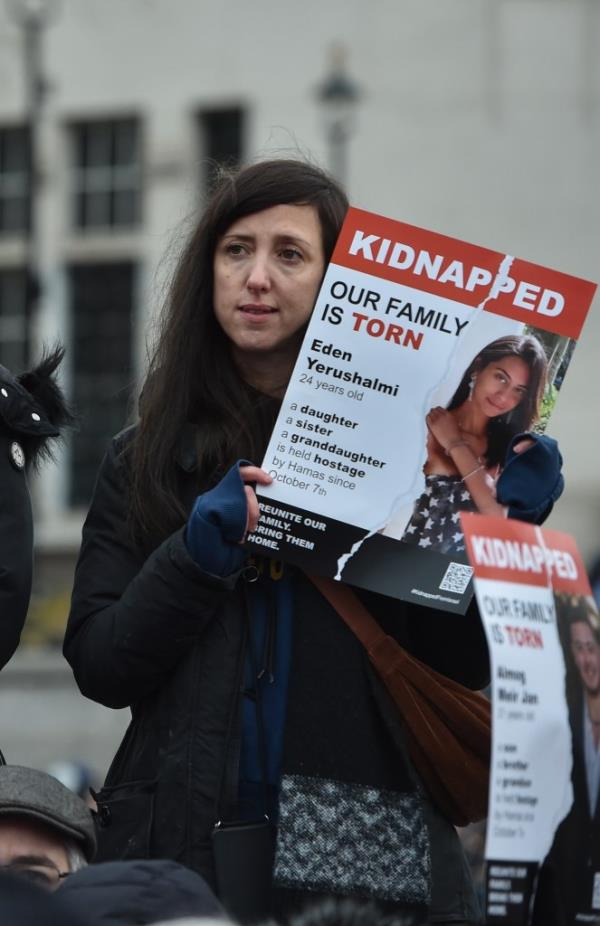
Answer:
(351, 610)
(386, 654)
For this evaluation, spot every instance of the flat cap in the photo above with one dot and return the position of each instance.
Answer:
(28, 792)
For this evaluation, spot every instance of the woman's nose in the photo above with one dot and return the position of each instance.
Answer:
(259, 279)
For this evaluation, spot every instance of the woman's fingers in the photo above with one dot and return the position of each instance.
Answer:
(258, 476)
(435, 414)
(255, 474)
(252, 509)
(442, 425)
(524, 444)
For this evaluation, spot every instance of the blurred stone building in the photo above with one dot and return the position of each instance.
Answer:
(477, 118)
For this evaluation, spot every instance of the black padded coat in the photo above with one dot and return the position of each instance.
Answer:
(162, 636)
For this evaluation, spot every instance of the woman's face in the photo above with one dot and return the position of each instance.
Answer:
(500, 386)
(267, 270)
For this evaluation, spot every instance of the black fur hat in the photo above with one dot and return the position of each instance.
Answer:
(33, 407)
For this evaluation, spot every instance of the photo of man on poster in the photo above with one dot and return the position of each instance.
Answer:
(569, 885)
(585, 650)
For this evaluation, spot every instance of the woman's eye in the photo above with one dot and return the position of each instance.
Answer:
(235, 250)
(290, 254)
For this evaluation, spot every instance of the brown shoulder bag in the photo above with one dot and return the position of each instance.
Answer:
(447, 726)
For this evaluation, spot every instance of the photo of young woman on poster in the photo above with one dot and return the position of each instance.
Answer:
(498, 398)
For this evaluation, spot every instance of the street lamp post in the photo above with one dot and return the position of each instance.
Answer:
(32, 16)
(338, 96)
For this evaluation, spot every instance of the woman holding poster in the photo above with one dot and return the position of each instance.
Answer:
(497, 399)
(262, 751)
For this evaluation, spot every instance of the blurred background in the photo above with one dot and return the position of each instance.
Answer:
(479, 119)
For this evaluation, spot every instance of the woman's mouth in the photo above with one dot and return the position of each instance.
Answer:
(257, 309)
(497, 408)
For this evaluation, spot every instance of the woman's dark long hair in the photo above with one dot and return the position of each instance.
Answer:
(191, 376)
(503, 428)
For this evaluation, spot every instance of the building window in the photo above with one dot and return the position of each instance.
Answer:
(221, 140)
(13, 295)
(14, 180)
(101, 297)
(106, 174)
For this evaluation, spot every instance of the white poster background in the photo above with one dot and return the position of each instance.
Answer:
(530, 775)
(390, 429)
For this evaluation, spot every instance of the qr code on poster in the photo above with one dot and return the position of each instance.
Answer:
(596, 891)
(456, 578)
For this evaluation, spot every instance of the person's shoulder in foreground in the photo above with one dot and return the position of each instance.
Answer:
(138, 891)
(25, 904)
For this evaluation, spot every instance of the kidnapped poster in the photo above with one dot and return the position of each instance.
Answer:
(408, 321)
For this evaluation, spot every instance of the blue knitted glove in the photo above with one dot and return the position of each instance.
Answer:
(531, 481)
(217, 524)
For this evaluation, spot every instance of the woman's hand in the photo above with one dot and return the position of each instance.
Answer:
(523, 445)
(221, 518)
(256, 475)
(443, 426)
